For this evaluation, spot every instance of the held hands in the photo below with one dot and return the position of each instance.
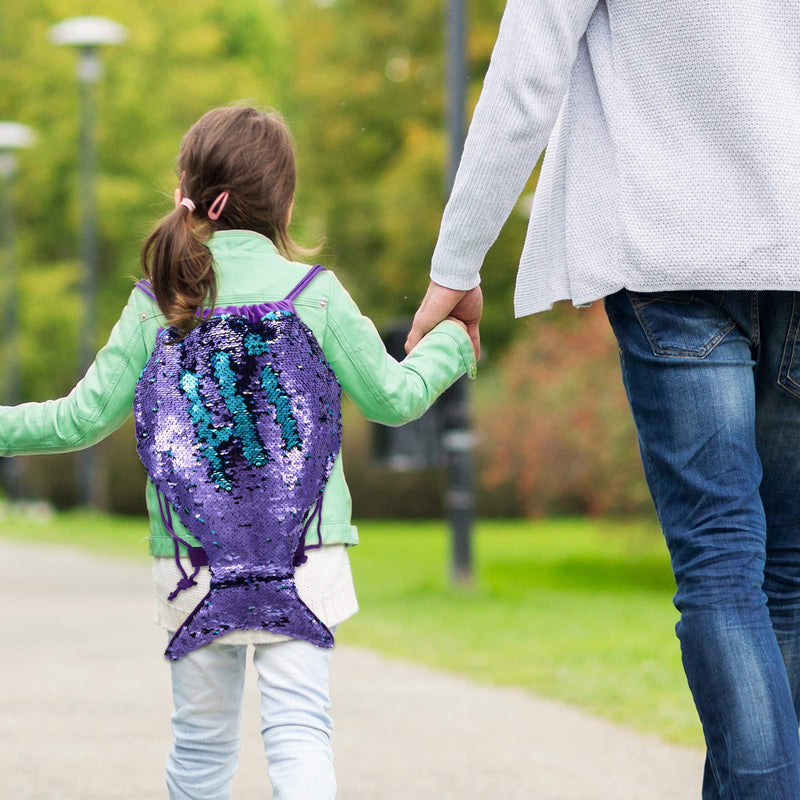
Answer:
(441, 303)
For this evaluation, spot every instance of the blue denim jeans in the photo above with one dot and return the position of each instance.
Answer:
(713, 380)
(207, 687)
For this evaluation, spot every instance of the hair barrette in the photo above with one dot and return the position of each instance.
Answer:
(218, 205)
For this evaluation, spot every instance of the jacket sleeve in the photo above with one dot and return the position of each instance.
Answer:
(96, 407)
(523, 90)
(383, 389)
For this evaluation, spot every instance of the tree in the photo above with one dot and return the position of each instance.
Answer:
(368, 111)
(181, 60)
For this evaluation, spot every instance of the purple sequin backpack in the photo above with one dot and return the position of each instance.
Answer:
(238, 425)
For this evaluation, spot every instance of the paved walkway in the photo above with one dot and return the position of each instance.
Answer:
(85, 709)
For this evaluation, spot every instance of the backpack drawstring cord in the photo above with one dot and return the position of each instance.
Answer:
(187, 581)
(300, 556)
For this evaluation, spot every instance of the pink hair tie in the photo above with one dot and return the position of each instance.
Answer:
(187, 203)
(218, 205)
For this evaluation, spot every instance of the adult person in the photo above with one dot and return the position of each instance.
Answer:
(671, 188)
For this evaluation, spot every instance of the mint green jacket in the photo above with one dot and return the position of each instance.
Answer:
(249, 269)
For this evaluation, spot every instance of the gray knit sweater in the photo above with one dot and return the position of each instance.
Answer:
(673, 159)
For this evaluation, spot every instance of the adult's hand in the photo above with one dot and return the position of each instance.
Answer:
(438, 304)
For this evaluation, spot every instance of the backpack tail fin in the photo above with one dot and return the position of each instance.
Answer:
(258, 603)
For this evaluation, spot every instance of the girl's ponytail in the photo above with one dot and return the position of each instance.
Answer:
(237, 171)
(180, 269)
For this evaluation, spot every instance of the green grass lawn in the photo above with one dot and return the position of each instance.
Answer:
(574, 609)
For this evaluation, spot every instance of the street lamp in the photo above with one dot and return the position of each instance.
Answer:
(87, 35)
(13, 137)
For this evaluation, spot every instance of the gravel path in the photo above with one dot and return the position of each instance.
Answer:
(86, 703)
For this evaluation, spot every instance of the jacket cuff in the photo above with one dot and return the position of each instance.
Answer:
(464, 344)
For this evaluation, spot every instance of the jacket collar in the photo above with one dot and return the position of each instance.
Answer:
(238, 241)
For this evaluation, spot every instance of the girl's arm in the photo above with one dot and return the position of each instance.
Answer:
(383, 389)
(96, 407)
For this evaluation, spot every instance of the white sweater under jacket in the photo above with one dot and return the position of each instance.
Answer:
(673, 159)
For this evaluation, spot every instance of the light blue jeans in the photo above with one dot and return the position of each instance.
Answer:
(207, 686)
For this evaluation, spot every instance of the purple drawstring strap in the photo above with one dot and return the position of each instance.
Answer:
(197, 560)
(306, 279)
(144, 286)
(300, 556)
(203, 313)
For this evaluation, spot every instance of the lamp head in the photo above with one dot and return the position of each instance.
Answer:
(88, 32)
(14, 135)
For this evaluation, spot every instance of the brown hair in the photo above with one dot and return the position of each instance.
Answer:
(235, 149)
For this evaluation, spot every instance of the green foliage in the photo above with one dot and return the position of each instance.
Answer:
(367, 110)
(180, 60)
(362, 86)
(48, 357)
(554, 422)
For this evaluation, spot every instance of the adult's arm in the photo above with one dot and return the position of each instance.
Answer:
(523, 90)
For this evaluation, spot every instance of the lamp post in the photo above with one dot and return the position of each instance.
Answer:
(456, 86)
(13, 137)
(87, 35)
(457, 439)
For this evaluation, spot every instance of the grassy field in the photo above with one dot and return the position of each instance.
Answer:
(578, 610)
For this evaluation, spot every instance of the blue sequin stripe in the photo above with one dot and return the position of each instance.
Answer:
(255, 344)
(276, 396)
(243, 424)
(210, 436)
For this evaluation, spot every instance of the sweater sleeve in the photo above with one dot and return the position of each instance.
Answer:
(523, 90)
(383, 389)
(96, 407)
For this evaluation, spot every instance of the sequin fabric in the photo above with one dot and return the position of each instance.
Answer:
(238, 426)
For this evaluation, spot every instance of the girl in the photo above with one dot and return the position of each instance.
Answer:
(226, 243)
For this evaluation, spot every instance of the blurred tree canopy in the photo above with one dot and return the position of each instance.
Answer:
(181, 59)
(362, 87)
(368, 107)
(360, 84)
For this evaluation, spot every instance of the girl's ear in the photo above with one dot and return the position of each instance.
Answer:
(288, 213)
(177, 196)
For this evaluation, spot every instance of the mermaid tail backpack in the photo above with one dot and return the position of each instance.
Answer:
(238, 424)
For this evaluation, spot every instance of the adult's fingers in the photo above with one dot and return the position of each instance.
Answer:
(424, 320)
(437, 304)
(414, 335)
(475, 335)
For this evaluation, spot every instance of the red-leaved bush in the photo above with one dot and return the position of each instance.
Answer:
(555, 423)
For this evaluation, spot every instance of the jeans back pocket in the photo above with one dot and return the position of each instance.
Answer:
(789, 374)
(686, 324)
